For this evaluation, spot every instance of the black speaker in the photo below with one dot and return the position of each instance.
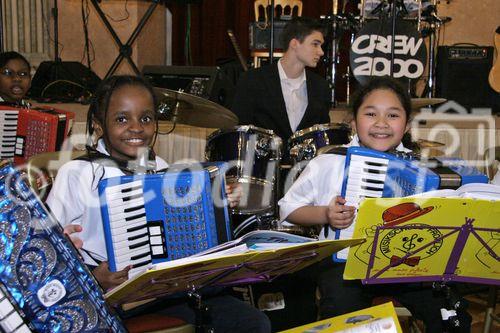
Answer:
(65, 81)
(462, 76)
(208, 82)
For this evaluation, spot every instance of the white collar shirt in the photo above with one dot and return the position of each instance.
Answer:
(319, 183)
(295, 96)
(22, 103)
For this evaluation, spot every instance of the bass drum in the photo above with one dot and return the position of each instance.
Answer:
(253, 155)
(371, 52)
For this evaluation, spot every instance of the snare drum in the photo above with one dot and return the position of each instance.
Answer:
(253, 155)
(304, 144)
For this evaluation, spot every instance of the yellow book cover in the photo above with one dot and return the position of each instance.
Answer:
(255, 263)
(380, 318)
(417, 239)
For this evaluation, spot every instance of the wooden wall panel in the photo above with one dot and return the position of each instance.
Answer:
(210, 21)
(473, 22)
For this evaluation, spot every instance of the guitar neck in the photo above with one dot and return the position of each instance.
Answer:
(237, 50)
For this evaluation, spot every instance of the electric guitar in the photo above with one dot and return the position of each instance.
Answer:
(237, 49)
(494, 77)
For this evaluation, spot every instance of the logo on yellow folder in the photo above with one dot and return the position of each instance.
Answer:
(398, 243)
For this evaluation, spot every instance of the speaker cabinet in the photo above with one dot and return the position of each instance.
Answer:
(462, 76)
(64, 81)
(208, 82)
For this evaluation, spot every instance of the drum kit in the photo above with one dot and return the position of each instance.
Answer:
(254, 155)
(378, 38)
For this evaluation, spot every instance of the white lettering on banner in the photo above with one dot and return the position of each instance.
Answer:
(410, 68)
(402, 44)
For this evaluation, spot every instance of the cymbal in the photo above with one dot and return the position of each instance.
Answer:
(418, 103)
(421, 143)
(182, 108)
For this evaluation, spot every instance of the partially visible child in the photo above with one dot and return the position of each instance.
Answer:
(15, 78)
(123, 116)
(381, 112)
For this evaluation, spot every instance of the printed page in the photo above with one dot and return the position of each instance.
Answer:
(479, 191)
(257, 237)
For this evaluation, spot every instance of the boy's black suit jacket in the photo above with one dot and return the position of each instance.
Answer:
(259, 101)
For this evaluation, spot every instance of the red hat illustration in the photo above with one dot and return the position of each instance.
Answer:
(403, 212)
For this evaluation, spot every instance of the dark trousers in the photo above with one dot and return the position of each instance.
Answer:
(226, 313)
(339, 296)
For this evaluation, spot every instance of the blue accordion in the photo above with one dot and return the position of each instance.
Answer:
(44, 286)
(374, 174)
(370, 173)
(154, 218)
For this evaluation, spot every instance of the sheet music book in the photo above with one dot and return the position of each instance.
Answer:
(428, 239)
(376, 319)
(240, 262)
(471, 190)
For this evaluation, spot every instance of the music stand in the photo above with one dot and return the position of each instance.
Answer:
(415, 249)
(194, 273)
(125, 49)
(427, 239)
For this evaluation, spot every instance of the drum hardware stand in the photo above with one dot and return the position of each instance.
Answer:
(454, 303)
(435, 24)
(395, 4)
(169, 113)
(125, 49)
(201, 312)
(331, 60)
(271, 32)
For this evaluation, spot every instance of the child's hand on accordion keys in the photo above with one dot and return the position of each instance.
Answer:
(233, 192)
(108, 279)
(339, 215)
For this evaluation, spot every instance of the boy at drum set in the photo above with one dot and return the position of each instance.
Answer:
(381, 112)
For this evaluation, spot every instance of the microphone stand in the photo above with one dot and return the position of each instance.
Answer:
(57, 60)
(432, 36)
(271, 32)
(393, 34)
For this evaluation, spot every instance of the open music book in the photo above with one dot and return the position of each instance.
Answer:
(257, 256)
(473, 190)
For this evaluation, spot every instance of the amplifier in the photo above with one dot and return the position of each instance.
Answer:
(207, 82)
(462, 75)
(260, 33)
